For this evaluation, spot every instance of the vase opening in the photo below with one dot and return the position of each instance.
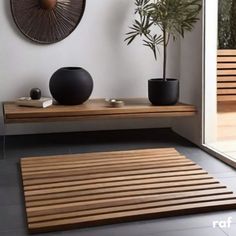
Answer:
(161, 80)
(71, 68)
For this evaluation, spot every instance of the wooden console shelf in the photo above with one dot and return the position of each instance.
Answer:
(94, 108)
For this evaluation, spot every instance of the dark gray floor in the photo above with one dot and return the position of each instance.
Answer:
(12, 217)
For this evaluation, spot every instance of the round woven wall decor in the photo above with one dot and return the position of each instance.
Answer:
(47, 21)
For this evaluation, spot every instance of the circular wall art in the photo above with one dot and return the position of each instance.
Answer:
(47, 21)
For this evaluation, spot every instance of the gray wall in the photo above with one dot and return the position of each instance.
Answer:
(191, 86)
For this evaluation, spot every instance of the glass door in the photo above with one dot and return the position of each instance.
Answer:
(219, 117)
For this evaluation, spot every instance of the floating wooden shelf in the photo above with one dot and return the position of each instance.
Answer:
(94, 108)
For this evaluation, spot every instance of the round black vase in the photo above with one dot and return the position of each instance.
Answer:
(71, 85)
(163, 93)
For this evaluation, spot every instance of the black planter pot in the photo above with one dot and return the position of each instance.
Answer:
(162, 92)
(71, 85)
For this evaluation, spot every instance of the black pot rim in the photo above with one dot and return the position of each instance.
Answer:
(164, 81)
(71, 68)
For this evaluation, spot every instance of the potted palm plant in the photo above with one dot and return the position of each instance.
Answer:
(156, 23)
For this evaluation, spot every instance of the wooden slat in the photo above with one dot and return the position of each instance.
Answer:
(217, 188)
(228, 91)
(119, 202)
(73, 164)
(226, 66)
(139, 214)
(76, 190)
(97, 166)
(228, 109)
(226, 85)
(230, 59)
(226, 52)
(123, 205)
(226, 72)
(114, 163)
(71, 196)
(226, 78)
(99, 155)
(35, 219)
(116, 180)
(193, 170)
(66, 176)
(70, 172)
(226, 98)
(121, 186)
(165, 157)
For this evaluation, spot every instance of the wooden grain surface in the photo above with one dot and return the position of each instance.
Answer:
(226, 75)
(226, 127)
(64, 192)
(226, 52)
(94, 109)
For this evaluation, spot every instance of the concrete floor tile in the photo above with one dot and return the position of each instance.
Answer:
(12, 217)
(231, 231)
(193, 232)
(229, 182)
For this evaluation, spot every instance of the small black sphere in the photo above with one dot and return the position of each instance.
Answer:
(35, 93)
(71, 85)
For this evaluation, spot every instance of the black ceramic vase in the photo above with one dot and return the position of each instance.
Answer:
(71, 85)
(163, 93)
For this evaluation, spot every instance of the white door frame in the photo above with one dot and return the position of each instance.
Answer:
(210, 34)
(209, 111)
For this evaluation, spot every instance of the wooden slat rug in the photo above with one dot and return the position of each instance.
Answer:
(64, 192)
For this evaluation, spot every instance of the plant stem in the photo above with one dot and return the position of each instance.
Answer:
(165, 54)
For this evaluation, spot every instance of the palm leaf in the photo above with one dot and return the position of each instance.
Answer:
(174, 17)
